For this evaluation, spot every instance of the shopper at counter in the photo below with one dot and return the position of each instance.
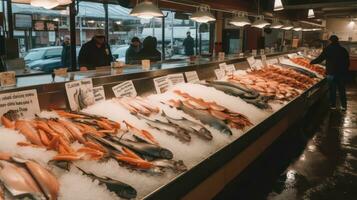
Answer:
(149, 50)
(188, 43)
(132, 53)
(95, 53)
(66, 52)
(337, 64)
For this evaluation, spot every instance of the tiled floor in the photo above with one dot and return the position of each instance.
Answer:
(322, 165)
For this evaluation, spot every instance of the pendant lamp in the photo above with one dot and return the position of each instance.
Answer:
(310, 13)
(260, 22)
(287, 25)
(278, 5)
(240, 19)
(146, 10)
(203, 15)
(276, 24)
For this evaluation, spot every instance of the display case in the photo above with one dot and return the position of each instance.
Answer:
(235, 108)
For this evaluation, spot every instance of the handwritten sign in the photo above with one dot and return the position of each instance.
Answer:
(219, 73)
(175, 79)
(80, 94)
(161, 84)
(7, 79)
(99, 94)
(264, 60)
(192, 77)
(25, 103)
(230, 69)
(125, 89)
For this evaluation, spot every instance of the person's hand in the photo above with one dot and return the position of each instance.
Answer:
(83, 69)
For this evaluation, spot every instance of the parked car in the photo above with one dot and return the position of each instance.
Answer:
(45, 59)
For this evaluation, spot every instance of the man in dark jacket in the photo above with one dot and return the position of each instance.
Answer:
(132, 53)
(149, 50)
(95, 53)
(66, 52)
(188, 43)
(337, 64)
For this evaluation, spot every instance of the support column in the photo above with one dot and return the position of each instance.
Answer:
(72, 29)
(106, 18)
(218, 31)
(9, 19)
(163, 39)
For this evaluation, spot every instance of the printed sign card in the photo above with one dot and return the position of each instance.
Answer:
(192, 77)
(80, 94)
(175, 79)
(126, 89)
(99, 94)
(25, 103)
(8, 79)
(161, 84)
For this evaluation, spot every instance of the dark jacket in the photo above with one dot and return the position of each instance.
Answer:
(91, 56)
(337, 59)
(132, 55)
(189, 43)
(149, 50)
(66, 56)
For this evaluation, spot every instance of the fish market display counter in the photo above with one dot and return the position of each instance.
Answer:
(180, 132)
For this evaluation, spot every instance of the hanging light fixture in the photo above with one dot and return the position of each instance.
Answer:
(278, 5)
(297, 28)
(287, 25)
(203, 15)
(260, 22)
(310, 13)
(240, 19)
(276, 24)
(146, 10)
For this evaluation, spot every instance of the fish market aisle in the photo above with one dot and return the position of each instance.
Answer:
(301, 165)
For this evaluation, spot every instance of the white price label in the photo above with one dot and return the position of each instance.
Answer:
(258, 64)
(8, 79)
(80, 94)
(292, 55)
(281, 59)
(175, 79)
(25, 103)
(161, 84)
(254, 52)
(222, 66)
(264, 60)
(99, 94)
(251, 60)
(126, 89)
(262, 52)
(272, 61)
(230, 69)
(192, 77)
(219, 73)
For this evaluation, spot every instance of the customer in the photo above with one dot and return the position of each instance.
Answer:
(132, 53)
(66, 52)
(149, 50)
(95, 53)
(337, 64)
(188, 43)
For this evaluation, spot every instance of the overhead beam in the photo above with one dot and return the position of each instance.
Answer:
(319, 5)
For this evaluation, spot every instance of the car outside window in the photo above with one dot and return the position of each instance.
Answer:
(34, 55)
(53, 53)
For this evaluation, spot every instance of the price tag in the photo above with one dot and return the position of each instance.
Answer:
(145, 64)
(8, 79)
(61, 72)
(219, 73)
(262, 52)
(251, 60)
(125, 89)
(281, 59)
(264, 60)
(99, 94)
(254, 52)
(25, 103)
(161, 84)
(292, 55)
(221, 56)
(192, 77)
(258, 64)
(272, 61)
(230, 69)
(80, 94)
(175, 79)
(222, 66)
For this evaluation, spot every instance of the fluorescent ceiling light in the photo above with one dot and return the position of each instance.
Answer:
(311, 13)
(260, 22)
(287, 25)
(203, 15)
(240, 19)
(276, 24)
(278, 5)
(146, 10)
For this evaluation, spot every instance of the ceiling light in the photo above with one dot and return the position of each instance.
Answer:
(276, 24)
(311, 13)
(287, 25)
(146, 10)
(297, 28)
(118, 22)
(260, 22)
(203, 15)
(316, 29)
(278, 5)
(240, 19)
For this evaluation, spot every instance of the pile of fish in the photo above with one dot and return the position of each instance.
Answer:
(266, 87)
(210, 113)
(306, 63)
(26, 179)
(238, 90)
(284, 76)
(154, 117)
